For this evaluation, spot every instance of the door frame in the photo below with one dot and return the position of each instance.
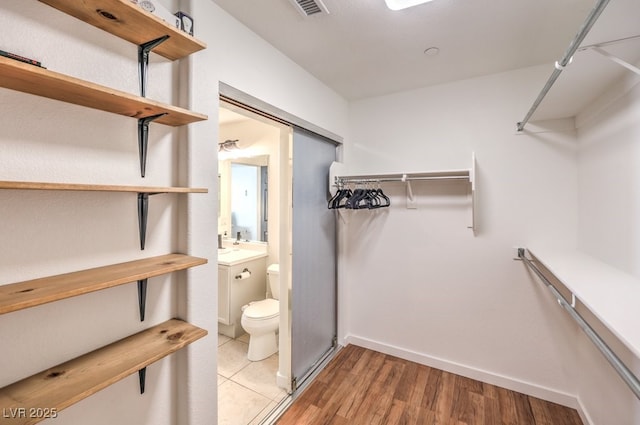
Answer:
(245, 101)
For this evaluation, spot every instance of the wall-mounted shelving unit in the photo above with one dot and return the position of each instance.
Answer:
(603, 50)
(609, 294)
(68, 383)
(466, 174)
(21, 295)
(565, 60)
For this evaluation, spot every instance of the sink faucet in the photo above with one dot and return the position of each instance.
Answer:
(237, 242)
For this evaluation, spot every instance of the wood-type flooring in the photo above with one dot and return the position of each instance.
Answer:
(364, 387)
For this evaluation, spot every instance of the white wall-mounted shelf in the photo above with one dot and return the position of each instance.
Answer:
(610, 294)
(466, 174)
(615, 30)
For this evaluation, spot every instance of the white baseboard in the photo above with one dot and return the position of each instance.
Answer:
(584, 415)
(533, 390)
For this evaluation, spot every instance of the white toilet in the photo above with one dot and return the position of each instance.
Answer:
(261, 319)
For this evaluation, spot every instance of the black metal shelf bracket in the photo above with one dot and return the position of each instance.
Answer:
(142, 375)
(143, 61)
(142, 297)
(143, 212)
(143, 139)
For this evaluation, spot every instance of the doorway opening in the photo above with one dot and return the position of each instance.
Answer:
(276, 262)
(253, 254)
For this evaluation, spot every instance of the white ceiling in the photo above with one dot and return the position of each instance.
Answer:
(362, 49)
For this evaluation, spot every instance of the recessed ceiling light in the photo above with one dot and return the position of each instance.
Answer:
(403, 4)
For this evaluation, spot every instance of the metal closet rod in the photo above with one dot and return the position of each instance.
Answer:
(627, 376)
(566, 59)
(395, 179)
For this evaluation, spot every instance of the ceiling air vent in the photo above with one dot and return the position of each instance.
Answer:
(310, 7)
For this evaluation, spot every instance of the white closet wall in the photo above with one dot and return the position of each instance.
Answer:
(609, 160)
(609, 207)
(418, 282)
(419, 285)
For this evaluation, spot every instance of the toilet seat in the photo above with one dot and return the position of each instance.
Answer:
(262, 310)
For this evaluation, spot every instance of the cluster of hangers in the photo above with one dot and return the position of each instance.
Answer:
(359, 198)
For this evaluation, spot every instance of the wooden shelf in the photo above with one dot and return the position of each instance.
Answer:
(64, 385)
(143, 193)
(21, 295)
(130, 22)
(96, 187)
(42, 82)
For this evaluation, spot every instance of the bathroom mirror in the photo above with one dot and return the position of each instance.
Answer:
(243, 198)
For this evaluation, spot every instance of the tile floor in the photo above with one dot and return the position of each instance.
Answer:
(247, 391)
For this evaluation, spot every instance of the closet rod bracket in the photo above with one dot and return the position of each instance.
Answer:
(560, 67)
(616, 59)
(411, 200)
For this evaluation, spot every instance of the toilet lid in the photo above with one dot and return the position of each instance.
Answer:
(265, 309)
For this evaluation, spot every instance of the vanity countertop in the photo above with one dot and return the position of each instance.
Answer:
(233, 256)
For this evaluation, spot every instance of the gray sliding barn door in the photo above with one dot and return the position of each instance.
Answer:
(314, 323)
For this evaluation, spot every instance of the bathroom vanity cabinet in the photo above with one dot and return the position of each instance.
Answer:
(242, 278)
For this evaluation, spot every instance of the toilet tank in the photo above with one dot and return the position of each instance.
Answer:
(273, 276)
